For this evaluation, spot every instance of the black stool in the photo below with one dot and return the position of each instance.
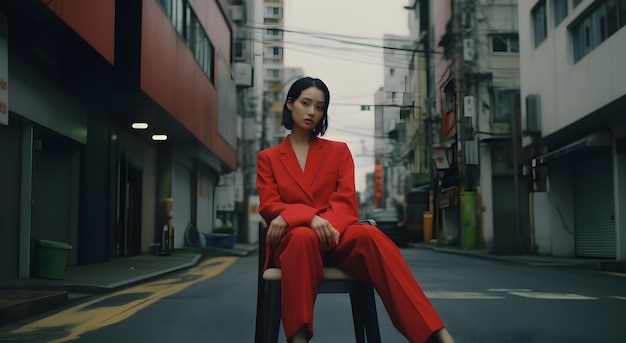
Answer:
(336, 280)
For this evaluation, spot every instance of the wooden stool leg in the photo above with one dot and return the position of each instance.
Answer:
(273, 305)
(364, 314)
(261, 310)
(371, 317)
(358, 309)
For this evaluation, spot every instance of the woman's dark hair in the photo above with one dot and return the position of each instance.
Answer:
(294, 93)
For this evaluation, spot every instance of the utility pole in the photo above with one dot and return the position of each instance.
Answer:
(458, 13)
(458, 10)
(464, 13)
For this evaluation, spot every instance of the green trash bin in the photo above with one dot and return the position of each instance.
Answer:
(468, 220)
(50, 259)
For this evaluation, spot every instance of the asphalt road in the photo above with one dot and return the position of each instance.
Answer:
(480, 300)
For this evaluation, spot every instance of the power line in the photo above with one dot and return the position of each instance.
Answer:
(340, 39)
(338, 52)
(335, 56)
(313, 33)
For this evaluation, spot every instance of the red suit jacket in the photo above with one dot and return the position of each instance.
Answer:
(325, 188)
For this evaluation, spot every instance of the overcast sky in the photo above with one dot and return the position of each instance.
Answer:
(328, 39)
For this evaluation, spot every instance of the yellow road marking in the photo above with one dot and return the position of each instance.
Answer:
(88, 316)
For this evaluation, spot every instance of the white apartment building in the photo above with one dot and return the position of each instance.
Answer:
(389, 124)
(495, 187)
(573, 94)
(273, 38)
(247, 17)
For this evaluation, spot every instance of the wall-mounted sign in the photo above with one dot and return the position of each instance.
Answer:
(440, 158)
(468, 106)
(225, 198)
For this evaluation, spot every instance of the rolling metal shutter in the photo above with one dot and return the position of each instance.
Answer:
(594, 213)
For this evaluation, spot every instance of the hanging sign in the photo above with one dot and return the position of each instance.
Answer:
(440, 158)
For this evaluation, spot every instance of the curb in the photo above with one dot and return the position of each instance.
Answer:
(532, 260)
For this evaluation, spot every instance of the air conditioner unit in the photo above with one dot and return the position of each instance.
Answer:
(236, 12)
(243, 74)
(533, 115)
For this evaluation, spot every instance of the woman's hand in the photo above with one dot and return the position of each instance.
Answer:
(276, 230)
(326, 233)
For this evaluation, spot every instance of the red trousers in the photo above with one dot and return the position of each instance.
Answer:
(367, 254)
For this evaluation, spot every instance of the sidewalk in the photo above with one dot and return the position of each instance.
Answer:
(598, 264)
(23, 298)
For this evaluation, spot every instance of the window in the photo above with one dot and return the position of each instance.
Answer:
(271, 97)
(186, 23)
(622, 13)
(199, 44)
(273, 33)
(597, 26)
(240, 50)
(405, 112)
(504, 104)
(277, 96)
(612, 20)
(560, 11)
(505, 43)
(540, 29)
(273, 12)
(577, 2)
(273, 52)
(582, 39)
(273, 74)
(174, 10)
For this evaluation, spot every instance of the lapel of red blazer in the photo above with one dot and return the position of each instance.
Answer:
(314, 160)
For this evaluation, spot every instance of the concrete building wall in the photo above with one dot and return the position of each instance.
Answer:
(581, 95)
(571, 90)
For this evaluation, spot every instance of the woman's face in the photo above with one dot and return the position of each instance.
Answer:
(308, 109)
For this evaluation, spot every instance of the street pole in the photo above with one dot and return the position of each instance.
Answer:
(458, 11)
(467, 84)
(518, 227)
